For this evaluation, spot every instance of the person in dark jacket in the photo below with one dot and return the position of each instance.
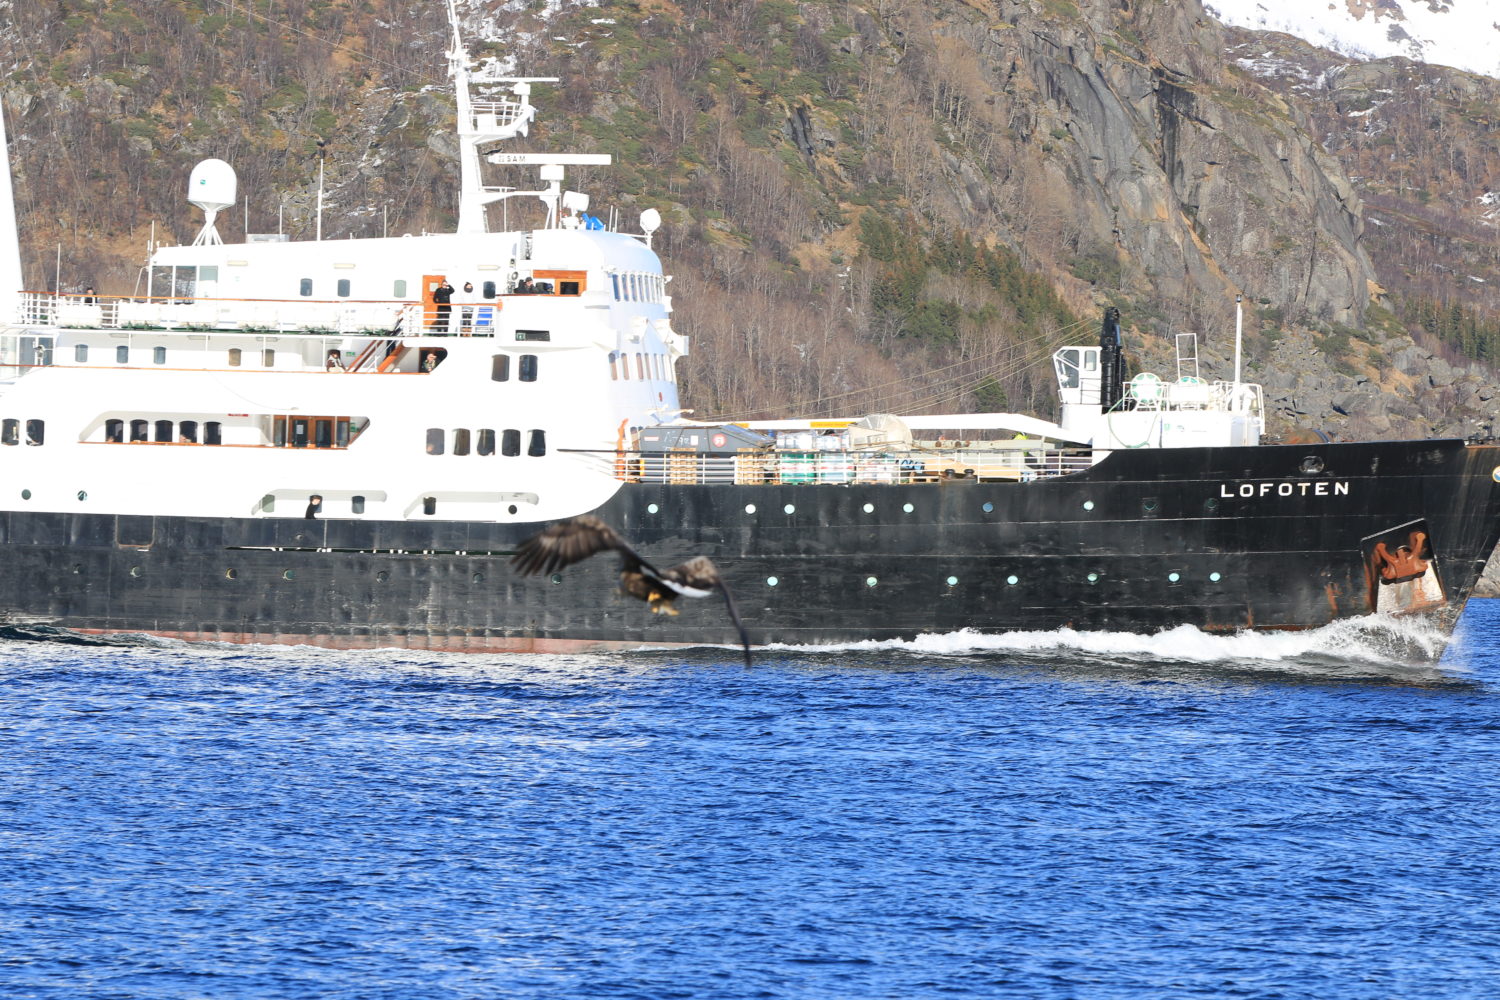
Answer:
(442, 296)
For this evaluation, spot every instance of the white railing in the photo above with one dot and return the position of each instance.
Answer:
(282, 316)
(761, 467)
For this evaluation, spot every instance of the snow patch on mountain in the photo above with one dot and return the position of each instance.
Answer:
(1460, 33)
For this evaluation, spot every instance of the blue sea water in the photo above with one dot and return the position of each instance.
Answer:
(1040, 816)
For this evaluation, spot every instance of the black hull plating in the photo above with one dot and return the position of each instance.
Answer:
(1224, 538)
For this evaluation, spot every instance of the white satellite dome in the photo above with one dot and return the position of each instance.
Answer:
(212, 185)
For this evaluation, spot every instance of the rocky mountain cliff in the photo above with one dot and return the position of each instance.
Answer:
(902, 206)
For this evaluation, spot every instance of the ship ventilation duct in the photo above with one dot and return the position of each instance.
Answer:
(10, 244)
(1111, 361)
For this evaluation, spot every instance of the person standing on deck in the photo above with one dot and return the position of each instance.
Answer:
(442, 296)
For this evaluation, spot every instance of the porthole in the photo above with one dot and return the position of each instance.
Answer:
(1148, 505)
(1212, 503)
(988, 507)
(1012, 580)
(870, 508)
(25, 494)
(870, 581)
(1311, 465)
(83, 494)
(1088, 505)
(908, 507)
(478, 577)
(953, 581)
(790, 508)
(1174, 577)
(1093, 578)
(135, 571)
(557, 578)
(230, 574)
(1215, 577)
(512, 508)
(651, 508)
(749, 508)
(772, 581)
(287, 575)
(77, 569)
(382, 576)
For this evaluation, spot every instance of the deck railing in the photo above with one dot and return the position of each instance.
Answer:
(764, 467)
(281, 316)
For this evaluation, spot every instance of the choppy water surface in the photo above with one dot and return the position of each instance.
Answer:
(1057, 815)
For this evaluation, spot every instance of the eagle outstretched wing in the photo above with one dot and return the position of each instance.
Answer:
(574, 540)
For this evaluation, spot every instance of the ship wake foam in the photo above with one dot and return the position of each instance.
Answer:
(1374, 639)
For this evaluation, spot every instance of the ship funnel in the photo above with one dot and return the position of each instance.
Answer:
(10, 244)
(212, 186)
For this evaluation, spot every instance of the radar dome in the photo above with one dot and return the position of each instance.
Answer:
(212, 186)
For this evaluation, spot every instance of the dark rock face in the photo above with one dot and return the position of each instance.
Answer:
(1208, 184)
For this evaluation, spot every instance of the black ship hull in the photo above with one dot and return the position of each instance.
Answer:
(1281, 537)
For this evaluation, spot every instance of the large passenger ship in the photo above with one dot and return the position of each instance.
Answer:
(316, 442)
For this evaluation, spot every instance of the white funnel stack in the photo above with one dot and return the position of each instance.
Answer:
(10, 243)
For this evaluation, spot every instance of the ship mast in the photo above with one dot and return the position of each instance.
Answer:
(483, 123)
(10, 243)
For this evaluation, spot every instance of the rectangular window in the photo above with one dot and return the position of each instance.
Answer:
(323, 432)
(510, 443)
(500, 368)
(187, 431)
(533, 335)
(278, 431)
(234, 357)
(488, 291)
(614, 373)
(163, 432)
(213, 432)
(485, 442)
(356, 505)
(10, 431)
(528, 368)
(208, 273)
(538, 445)
(304, 287)
(114, 431)
(343, 288)
(268, 357)
(429, 505)
(80, 353)
(567, 288)
(122, 355)
(461, 441)
(614, 280)
(398, 291)
(36, 431)
(298, 431)
(139, 430)
(159, 355)
(341, 433)
(434, 440)
(640, 368)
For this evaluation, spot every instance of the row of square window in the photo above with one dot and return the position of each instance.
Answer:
(647, 366)
(482, 442)
(10, 431)
(164, 431)
(159, 355)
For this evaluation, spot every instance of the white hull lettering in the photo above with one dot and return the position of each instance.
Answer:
(1229, 491)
